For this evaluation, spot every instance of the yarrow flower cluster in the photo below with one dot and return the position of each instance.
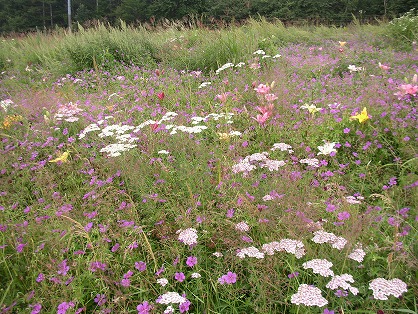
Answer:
(68, 112)
(294, 247)
(242, 226)
(319, 266)
(320, 236)
(261, 160)
(357, 254)
(342, 282)
(250, 252)
(383, 288)
(187, 236)
(309, 296)
(313, 162)
(170, 298)
(282, 147)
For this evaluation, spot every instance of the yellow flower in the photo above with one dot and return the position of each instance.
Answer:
(62, 158)
(223, 136)
(361, 117)
(11, 120)
(342, 43)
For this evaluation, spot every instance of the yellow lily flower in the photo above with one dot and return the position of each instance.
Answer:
(62, 158)
(361, 117)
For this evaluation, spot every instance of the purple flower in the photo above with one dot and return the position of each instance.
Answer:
(184, 307)
(229, 278)
(179, 277)
(326, 311)
(191, 261)
(36, 308)
(141, 266)
(293, 275)
(40, 277)
(64, 306)
(125, 282)
(343, 216)
(160, 271)
(100, 299)
(144, 308)
(63, 268)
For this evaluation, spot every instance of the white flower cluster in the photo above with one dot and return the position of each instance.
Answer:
(383, 288)
(320, 236)
(195, 275)
(186, 129)
(204, 84)
(309, 296)
(5, 104)
(357, 254)
(319, 266)
(354, 199)
(224, 67)
(353, 68)
(170, 298)
(294, 247)
(242, 226)
(188, 236)
(327, 148)
(162, 281)
(251, 162)
(114, 150)
(282, 147)
(68, 112)
(250, 252)
(214, 116)
(313, 162)
(342, 282)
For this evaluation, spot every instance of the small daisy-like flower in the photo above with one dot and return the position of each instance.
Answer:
(217, 254)
(196, 275)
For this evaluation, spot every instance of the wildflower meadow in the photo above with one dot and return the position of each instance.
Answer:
(252, 169)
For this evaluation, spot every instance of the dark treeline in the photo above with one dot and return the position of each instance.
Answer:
(28, 15)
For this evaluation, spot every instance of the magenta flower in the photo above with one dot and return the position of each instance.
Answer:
(179, 277)
(191, 261)
(141, 266)
(229, 278)
(144, 308)
(343, 216)
(100, 299)
(184, 307)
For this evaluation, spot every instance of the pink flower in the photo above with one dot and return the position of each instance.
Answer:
(229, 278)
(161, 95)
(343, 216)
(179, 277)
(191, 261)
(222, 97)
(384, 67)
(270, 97)
(261, 119)
(262, 89)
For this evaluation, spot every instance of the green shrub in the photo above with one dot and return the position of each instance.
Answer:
(404, 30)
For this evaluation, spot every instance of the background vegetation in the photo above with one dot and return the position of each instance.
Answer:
(28, 15)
